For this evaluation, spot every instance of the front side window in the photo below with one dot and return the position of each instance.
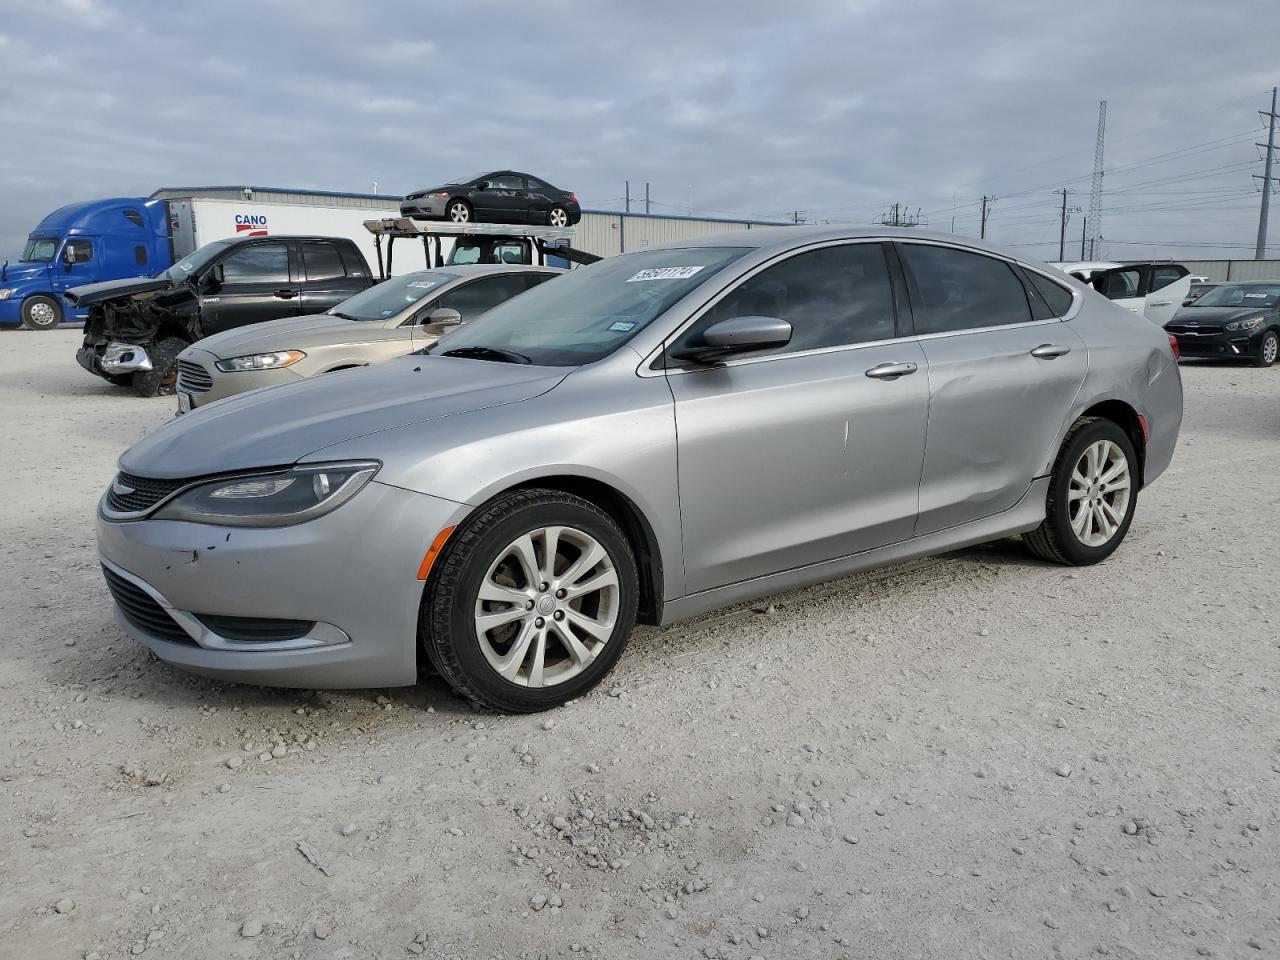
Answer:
(78, 251)
(960, 290)
(386, 299)
(480, 296)
(321, 261)
(506, 182)
(588, 313)
(257, 263)
(832, 296)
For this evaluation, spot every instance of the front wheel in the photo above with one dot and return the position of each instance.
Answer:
(41, 312)
(458, 211)
(161, 379)
(557, 217)
(532, 601)
(1268, 349)
(1093, 490)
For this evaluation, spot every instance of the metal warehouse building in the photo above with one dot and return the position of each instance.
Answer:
(602, 232)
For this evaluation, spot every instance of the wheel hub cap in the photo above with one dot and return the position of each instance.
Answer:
(1098, 499)
(547, 606)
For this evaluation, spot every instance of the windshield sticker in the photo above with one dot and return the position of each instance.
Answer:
(423, 284)
(1256, 296)
(185, 266)
(622, 326)
(665, 273)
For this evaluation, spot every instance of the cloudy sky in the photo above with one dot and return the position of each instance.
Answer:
(835, 109)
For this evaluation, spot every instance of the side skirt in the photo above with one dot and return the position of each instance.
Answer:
(1026, 514)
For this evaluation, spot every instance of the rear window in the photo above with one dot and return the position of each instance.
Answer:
(1055, 295)
(964, 291)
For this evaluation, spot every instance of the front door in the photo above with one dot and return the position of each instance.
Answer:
(256, 286)
(807, 453)
(1000, 383)
(75, 265)
(507, 199)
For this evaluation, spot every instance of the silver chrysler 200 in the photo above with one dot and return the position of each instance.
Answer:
(645, 439)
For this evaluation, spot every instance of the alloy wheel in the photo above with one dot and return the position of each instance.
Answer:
(559, 217)
(1270, 347)
(459, 213)
(547, 606)
(1099, 497)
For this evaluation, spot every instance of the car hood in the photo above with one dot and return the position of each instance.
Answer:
(86, 294)
(292, 333)
(280, 425)
(1215, 316)
(18, 272)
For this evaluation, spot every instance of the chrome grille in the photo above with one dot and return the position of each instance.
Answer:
(130, 494)
(141, 609)
(193, 378)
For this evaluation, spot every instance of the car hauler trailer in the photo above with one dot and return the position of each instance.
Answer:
(474, 243)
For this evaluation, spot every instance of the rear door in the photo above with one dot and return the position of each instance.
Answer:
(807, 453)
(1003, 372)
(258, 284)
(325, 280)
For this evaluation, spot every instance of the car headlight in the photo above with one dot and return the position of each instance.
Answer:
(6, 293)
(260, 361)
(278, 498)
(1248, 323)
(439, 193)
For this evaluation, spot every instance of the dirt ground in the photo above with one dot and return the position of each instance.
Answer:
(977, 755)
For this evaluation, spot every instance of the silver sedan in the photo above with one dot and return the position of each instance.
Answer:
(387, 320)
(645, 439)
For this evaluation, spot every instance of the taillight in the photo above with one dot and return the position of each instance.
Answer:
(573, 198)
(1173, 345)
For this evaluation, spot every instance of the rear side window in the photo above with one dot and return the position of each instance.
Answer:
(257, 263)
(1055, 295)
(832, 296)
(960, 290)
(1117, 284)
(1163, 276)
(321, 261)
(352, 260)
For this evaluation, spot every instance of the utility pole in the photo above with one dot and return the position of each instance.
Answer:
(1084, 226)
(798, 216)
(986, 209)
(1095, 189)
(628, 196)
(1062, 229)
(1264, 211)
(646, 196)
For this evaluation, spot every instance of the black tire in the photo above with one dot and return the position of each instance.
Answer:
(41, 312)
(459, 211)
(1054, 539)
(557, 213)
(159, 381)
(119, 379)
(447, 629)
(1268, 347)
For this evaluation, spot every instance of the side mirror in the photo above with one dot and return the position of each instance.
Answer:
(729, 338)
(444, 316)
(68, 257)
(213, 279)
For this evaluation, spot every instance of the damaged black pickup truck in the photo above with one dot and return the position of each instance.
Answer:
(137, 327)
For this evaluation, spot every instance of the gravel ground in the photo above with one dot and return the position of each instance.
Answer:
(976, 755)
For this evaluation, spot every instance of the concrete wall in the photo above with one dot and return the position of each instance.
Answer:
(1234, 269)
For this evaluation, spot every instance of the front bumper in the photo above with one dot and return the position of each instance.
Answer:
(424, 208)
(1219, 343)
(209, 383)
(352, 572)
(113, 359)
(11, 311)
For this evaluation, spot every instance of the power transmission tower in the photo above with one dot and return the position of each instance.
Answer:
(900, 216)
(1095, 190)
(1260, 253)
(986, 210)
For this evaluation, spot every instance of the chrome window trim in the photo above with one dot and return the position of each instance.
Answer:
(321, 635)
(645, 368)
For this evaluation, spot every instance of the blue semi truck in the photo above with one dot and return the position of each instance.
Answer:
(83, 243)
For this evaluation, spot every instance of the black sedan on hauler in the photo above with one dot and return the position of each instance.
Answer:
(1234, 320)
(503, 196)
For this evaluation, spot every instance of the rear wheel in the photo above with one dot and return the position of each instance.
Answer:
(1093, 491)
(458, 211)
(41, 312)
(160, 380)
(557, 217)
(1268, 349)
(532, 601)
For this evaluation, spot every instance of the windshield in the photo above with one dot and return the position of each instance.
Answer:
(1241, 296)
(39, 250)
(188, 267)
(390, 297)
(463, 180)
(588, 313)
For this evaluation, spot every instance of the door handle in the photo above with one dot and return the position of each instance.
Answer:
(286, 294)
(1162, 303)
(1047, 351)
(891, 371)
